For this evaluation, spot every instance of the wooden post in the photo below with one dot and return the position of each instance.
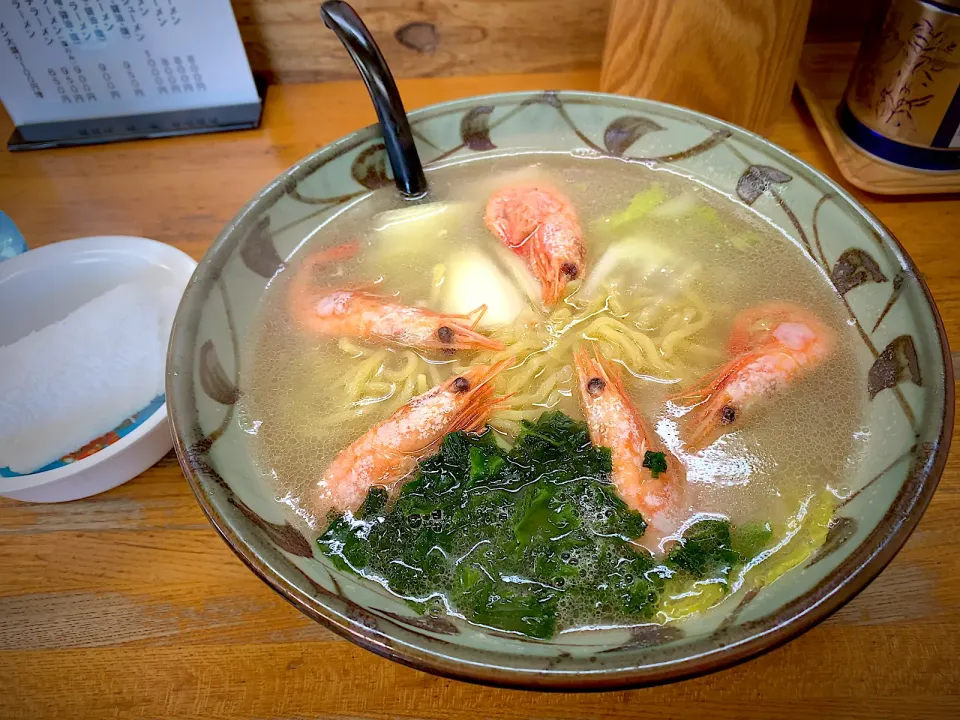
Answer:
(735, 59)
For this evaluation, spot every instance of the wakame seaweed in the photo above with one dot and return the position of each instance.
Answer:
(656, 462)
(517, 539)
(713, 548)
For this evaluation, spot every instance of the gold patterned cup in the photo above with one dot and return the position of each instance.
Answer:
(902, 103)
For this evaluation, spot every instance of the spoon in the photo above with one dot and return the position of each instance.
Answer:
(394, 126)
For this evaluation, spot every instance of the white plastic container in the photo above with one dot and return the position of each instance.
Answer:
(45, 285)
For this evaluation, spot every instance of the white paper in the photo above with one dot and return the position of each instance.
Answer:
(79, 59)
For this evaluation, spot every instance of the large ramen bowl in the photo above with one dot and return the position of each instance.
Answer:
(908, 408)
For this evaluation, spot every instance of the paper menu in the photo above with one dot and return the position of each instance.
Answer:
(150, 65)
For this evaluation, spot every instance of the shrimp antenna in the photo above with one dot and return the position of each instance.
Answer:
(481, 311)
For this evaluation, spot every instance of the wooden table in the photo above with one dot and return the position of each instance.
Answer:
(128, 604)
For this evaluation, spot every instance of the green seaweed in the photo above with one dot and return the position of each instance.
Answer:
(750, 539)
(505, 535)
(656, 462)
(705, 550)
(511, 538)
(713, 548)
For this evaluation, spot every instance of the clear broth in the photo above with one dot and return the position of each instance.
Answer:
(797, 445)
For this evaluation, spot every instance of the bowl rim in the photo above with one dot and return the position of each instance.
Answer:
(819, 602)
(145, 248)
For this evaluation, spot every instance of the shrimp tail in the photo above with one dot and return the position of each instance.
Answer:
(326, 257)
(746, 335)
(337, 253)
(304, 283)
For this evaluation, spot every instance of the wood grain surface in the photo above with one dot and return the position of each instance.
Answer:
(734, 59)
(287, 42)
(822, 79)
(128, 605)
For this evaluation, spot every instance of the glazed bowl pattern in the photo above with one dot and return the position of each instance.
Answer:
(908, 388)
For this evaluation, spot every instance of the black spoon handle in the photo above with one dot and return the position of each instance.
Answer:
(397, 136)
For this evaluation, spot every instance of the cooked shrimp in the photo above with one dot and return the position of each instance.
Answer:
(389, 451)
(614, 423)
(773, 344)
(363, 315)
(541, 226)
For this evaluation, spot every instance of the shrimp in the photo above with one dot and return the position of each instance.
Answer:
(363, 315)
(614, 423)
(389, 451)
(773, 344)
(541, 226)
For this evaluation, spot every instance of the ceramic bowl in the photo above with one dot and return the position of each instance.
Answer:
(908, 389)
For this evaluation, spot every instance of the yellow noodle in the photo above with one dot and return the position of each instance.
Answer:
(409, 389)
(641, 330)
(518, 350)
(410, 367)
(631, 353)
(561, 349)
(434, 374)
(519, 414)
(365, 371)
(709, 354)
(672, 323)
(345, 416)
(553, 398)
(541, 391)
(352, 348)
(650, 350)
(378, 387)
(562, 315)
(508, 427)
(649, 315)
(691, 328)
(531, 369)
(615, 306)
(645, 345)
